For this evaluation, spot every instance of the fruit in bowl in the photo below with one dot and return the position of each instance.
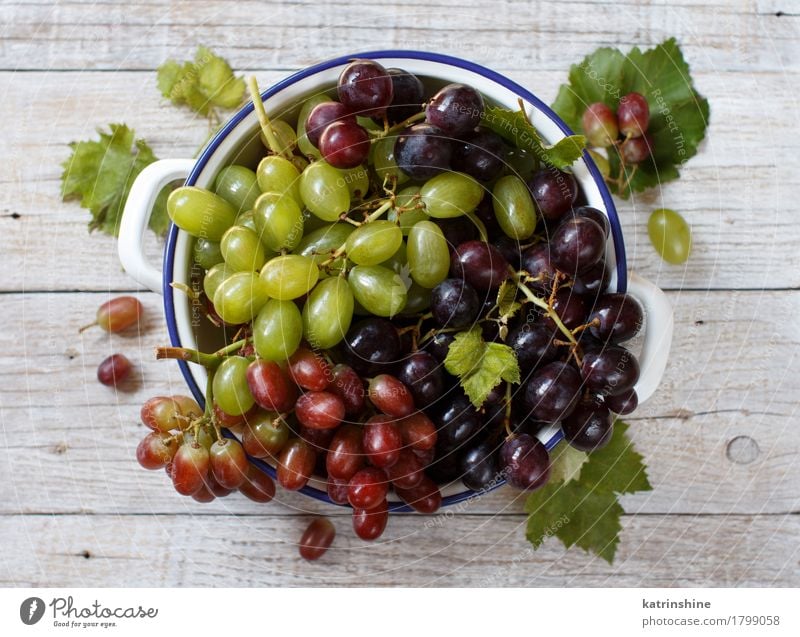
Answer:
(405, 298)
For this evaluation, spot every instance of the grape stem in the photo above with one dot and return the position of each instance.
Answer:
(398, 127)
(263, 120)
(209, 361)
(507, 414)
(551, 313)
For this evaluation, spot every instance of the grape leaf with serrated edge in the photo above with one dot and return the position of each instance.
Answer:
(101, 172)
(678, 113)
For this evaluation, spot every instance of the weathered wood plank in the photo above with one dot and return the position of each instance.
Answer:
(732, 233)
(140, 35)
(716, 436)
(468, 550)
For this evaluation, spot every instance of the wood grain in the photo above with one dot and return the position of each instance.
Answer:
(467, 550)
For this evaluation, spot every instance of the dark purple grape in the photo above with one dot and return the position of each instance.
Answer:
(570, 307)
(526, 462)
(485, 213)
(595, 215)
(423, 151)
(322, 115)
(480, 154)
(439, 345)
(592, 281)
(457, 230)
(633, 115)
(480, 264)
(577, 244)
(610, 371)
(454, 304)
(409, 94)
(536, 262)
(479, 466)
(588, 427)
(371, 346)
(553, 391)
(445, 468)
(114, 369)
(554, 192)
(455, 109)
(457, 421)
(620, 318)
(636, 149)
(365, 88)
(344, 144)
(510, 249)
(533, 345)
(623, 404)
(422, 374)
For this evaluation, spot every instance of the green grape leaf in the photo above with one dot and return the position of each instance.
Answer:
(480, 366)
(100, 173)
(514, 127)
(580, 504)
(202, 84)
(678, 113)
(507, 303)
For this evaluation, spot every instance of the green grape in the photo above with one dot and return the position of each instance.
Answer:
(374, 242)
(215, 275)
(200, 212)
(451, 195)
(428, 254)
(601, 162)
(305, 146)
(289, 276)
(418, 300)
(276, 174)
(231, 392)
(398, 262)
(238, 186)
(324, 191)
(382, 159)
(379, 290)
(279, 221)
(207, 253)
(514, 208)
(284, 133)
(277, 330)
(320, 244)
(242, 249)
(414, 210)
(357, 180)
(328, 312)
(670, 235)
(239, 297)
(247, 220)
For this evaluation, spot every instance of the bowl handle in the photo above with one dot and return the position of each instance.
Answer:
(658, 333)
(136, 215)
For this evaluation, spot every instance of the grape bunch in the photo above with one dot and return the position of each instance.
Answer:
(375, 234)
(626, 130)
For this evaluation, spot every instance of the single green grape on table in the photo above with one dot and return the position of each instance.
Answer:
(670, 235)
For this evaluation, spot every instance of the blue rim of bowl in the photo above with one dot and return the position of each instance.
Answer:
(211, 147)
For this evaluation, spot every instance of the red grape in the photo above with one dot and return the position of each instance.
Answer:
(633, 115)
(348, 386)
(338, 490)
(636, 149)
(188, 406)
(526, 461)
(155, 450)
(159, 414)
(317, 538)
(391, 396)
(367, 488)
(365, 88)
(322, 115)
(118, 314)
(228, 463)
(189, 468)
(600, 125)
(480, 264)
(309, 370)
(114, 369)
(382, 441)
(344, 144)
(408, 471)
(425, 497)
(270, 387)
(418, 431)
(296, 464)
(204, 495)
(265, 435)
(345, 453)
(369, 524)
(257, 486)
(320, 410)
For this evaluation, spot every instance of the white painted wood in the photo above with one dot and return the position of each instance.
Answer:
(719, 436)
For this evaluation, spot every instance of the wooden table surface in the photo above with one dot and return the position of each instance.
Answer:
(720, 436)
